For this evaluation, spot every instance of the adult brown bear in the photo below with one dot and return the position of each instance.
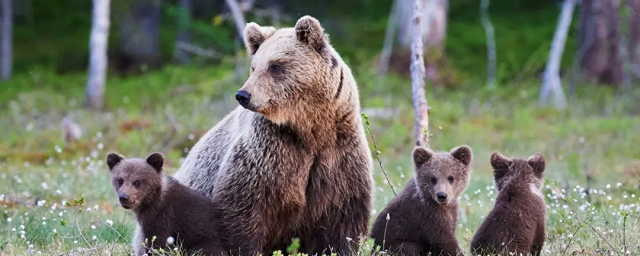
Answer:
(293, 159)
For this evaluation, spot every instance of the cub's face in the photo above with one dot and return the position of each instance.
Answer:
(442, 176)
(135, 181)
(291, 70)
(529, 171)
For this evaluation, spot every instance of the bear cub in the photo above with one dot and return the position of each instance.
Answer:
(422, 218)
(164, 208)
(517, 222)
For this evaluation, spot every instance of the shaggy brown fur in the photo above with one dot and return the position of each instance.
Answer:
(163, 207)
(422, 218)
(517, 222)
(293, 160)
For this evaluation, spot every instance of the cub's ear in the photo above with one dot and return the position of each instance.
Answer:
(500, 166)
(463, 154)
(498, 161)
(421, 155)
(537, 162)
(254, 35)
(310, 32)
(113, 159)
(156, 160)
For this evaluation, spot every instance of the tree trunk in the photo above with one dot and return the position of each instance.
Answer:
(491, 43)
(433, 33)
(600, 39)
(419, 99)
(98, 59)
(387, 48)
(634, 36)
(552, 83)
(139, 42)
(238, 17)
(7, 40)
(184, 33)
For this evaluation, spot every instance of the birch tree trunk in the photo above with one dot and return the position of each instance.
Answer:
(184, 23)
(98, 54)
(634, 36)
(238, 18)
(7, 40)
(389, 36)
(139, 35)
(552, 84)
(600, 37)
(419, 99)
(491, 43)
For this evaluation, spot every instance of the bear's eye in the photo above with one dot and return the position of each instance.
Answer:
(136, 183)
(451, 179)
(274, 68)
(120, 181)
(434, 181)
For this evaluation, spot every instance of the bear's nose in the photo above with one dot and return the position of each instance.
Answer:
(441, 196)
(123, 199)
(243, 98)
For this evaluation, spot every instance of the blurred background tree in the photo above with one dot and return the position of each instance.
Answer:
(146, 35)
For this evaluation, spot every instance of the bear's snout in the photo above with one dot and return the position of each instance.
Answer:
(243, 97)
(442, 197)
(123, 199)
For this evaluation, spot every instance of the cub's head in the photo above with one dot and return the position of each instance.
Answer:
(293, 70)
(442, 176)
(136, 181)
(529, 171)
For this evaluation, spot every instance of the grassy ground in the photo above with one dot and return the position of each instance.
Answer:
(57, 198)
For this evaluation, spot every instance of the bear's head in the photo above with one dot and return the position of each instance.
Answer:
(443, 176)
(528, 171)
(293, 71)
(136, 181)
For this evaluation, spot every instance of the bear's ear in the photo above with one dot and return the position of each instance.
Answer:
(113, 159)
(156, 161)
(310, 32)
(498, 161)
(254, 35)
(537, 162)
(463, 154)
(421, 155)
(500, 166)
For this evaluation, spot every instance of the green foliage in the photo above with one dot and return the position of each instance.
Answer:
(523, 34)
(596, 133)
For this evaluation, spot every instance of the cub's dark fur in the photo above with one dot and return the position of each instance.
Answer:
(517, 222)
(422, 218)
(163, 207)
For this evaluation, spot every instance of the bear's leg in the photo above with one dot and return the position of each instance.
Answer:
(446, 245)
(538, 241)
(211, 249)
(340, 230)
(407, 249)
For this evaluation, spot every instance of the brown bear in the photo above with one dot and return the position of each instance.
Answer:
(517, 222)
(422, 218)
(292, 161)
(164, 208)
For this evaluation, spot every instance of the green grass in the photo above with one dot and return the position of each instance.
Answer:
(598, 133)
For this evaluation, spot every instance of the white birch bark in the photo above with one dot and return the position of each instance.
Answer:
(7, 40)
(98, 54)
(491, 43)
(419, 99)
(389, 36)
(238, 18)
(552, 84)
